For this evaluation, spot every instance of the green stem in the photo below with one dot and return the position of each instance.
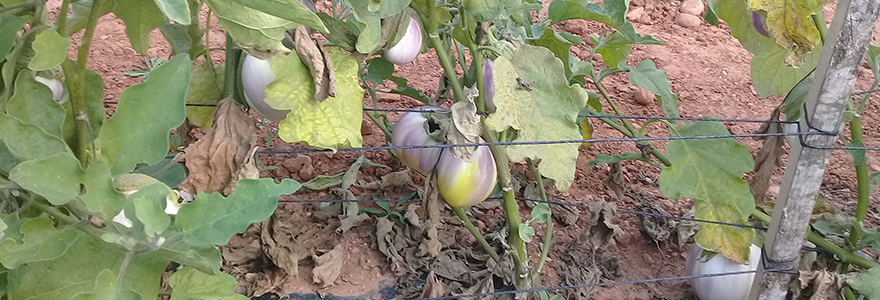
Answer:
(548, 235)
(511, 209)
(55, 213)
(656, 152)
(819, 241)
(848, 294)
(62, 18)
(208, 43)
(863, 185)
(819, 22)
(76, 82)
(229, 68)
(476, 232)
(442, 53)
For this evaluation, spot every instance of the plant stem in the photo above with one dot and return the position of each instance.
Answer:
(819, 241)
(476, 232)
(76, 83)
(54, 212)
(229, 68)
(548, 235)
(848, 294)
(511, 209)
(633, 132)
(442, 53)
(855, 127)
(62, 18)
(819, 22)
(208, 42)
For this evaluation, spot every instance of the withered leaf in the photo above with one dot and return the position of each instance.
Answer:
(351, 216)
(216, 161)
(328, 266)
(657, 228)
(433, 287)
(387, 241)
(462, 126)
(394, 179)
(317, 59)
(433, 205)
(686, 228)
(818, 285)
(411, 216)
(768, 159)
(600, 229)
(614, 181)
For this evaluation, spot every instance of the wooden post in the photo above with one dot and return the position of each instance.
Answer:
(834, 80)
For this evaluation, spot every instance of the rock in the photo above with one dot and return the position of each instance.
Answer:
(635, 14)
(577, 27)
(687, 20)
(641, 95)
(691, 7)
(301, 165)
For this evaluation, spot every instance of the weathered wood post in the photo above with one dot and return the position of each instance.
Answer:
(834, 80)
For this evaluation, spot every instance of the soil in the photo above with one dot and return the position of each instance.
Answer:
(707, 67)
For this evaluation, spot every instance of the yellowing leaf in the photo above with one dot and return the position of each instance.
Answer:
(788, 21)
(205, 87)
(533, 97)
(329, 124)
(711, 171)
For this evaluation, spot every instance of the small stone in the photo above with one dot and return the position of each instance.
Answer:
(307, 172)
(635, 14)
(641, 95)
(687, 20)
(692, 7)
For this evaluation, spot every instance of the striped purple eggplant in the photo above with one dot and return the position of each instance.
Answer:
(465, 184)
(489, 84)
(411, 130)
(758, 22)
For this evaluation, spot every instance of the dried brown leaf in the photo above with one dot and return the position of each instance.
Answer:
(328, 266)
(614, 180)
(394, 179)
(686, 228)
(819, 285)
(351, 216)
(768, 159)
(216, 161)
(431, 244)
(433, 287)
(317, 59)
(391, 244)
(411, 216)
(600, 229)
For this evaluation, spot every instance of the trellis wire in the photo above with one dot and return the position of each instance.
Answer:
(532, 200)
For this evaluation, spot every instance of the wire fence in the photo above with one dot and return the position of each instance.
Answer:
(801, 134)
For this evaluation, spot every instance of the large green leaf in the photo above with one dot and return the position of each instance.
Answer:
(212, 219)
(789, 23)
(258, 26)
(9, 26)
(7, 160)
(169, 175)
(205, 87)
(79, 14)
(78, 270)
(176, 10)
(58, 179)
(710, 171)
(41, 242)
(32, 102)
(646, 75)
(105, 287)
(149, 208)
(533, 97)
(482, 10)
(329, 124)
(771, 76)
(147, 112)
(562, 10)
(205, 259)
(866, 284)
(50, 50)
(178, 37)
(140, 17)
(27, 141)
(191, 284)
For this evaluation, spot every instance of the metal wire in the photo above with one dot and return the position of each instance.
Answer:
(603, 284)
(540, 201)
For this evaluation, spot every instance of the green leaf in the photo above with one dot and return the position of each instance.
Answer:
(561, 10)
(205, 259)
(866, 284)
(541, 213)
(140, 17)
(546, 113)
(606, 159)
(825, 228)
(329, 124)
(66, 175)
(205, 87)
(191, 284)
(171, 176)
(789, 23)
(710, 16)
(646, 75)
(13, 226)
(771, 76)
(32, 102)
(41, 242)
(710, 172)
(526, 232)
(559, 45)
(176, 10)
(105, 287)
(338, 32)
(323, 182)
(873, 58)
(149, 208)
(78, 270)
(614, 53)
(212, 219)
(178, 37)
(138, 130)
(873, 182)
(50, 50)
(482, 10)
(9, 26)
(27, 141)
(258, 26)
(594, 101)
(793, 105)
(79, 15)
(7, 160)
